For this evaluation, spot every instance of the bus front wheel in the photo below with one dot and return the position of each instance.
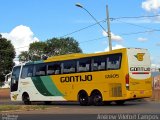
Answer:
(83, 98)
(26, 99)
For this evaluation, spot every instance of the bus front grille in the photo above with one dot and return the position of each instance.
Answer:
(115, 90)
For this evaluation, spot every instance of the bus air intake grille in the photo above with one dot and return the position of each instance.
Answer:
(115, 90)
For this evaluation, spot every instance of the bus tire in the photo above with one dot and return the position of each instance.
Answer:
(97, 99)
(26, 99)
(83, 98)
(120, 102)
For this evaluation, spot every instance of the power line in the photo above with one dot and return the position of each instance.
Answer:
(82, 28)
(104, 20)
(140, 32)
(123, 34)
(132, 17)
(92, 40)
(134, 24)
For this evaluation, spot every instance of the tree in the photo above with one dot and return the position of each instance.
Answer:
(24, 56)
(7, 54)
(36, 50)
(52, 47)
(61, 46)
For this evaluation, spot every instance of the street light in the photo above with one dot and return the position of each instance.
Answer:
(109, 34)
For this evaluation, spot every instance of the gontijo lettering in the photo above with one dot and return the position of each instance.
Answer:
(78, 78)
(139, 68)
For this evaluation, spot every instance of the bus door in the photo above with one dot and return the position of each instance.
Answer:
(15, 78)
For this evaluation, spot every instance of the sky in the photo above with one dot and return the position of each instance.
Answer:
(133, 23)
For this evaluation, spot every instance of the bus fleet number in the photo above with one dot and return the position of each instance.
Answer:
(112, 76)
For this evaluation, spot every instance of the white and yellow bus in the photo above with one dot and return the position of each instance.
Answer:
(118, 75)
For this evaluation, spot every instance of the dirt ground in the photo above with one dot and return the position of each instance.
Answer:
(4, 93)
(156, 95)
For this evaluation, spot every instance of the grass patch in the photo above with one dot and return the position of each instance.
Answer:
(22, 107)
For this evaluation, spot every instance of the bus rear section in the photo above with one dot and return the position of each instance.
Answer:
(138, 80)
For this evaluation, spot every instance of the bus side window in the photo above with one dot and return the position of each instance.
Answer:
(40, 70)
(57, 68)
(98, 63)
(84, 65)
(53, 68)
(69, 66)
(50, 69)
(114, 61)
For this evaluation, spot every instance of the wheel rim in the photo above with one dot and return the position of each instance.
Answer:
(97, 99)
(83, 100)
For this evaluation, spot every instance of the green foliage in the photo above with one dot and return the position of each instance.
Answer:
(7, 54)
(36, 50)
(56, 46)
(52, 47)
(1, 83)
(24, 56)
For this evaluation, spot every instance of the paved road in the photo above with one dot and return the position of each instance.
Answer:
(75, 108)
(65, 110)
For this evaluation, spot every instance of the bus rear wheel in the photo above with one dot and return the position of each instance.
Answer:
(83, 98)
(97, 98)
(26, 99)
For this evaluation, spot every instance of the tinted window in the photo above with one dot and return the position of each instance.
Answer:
(84, 65)
(99, 63)
(15, 78)
(69, 66)
(53, 68)
(40, 70)
(15, 73)
(27, 71)
(114, 61)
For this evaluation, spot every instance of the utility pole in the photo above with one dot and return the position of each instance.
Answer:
(109, 31)
(108, 24)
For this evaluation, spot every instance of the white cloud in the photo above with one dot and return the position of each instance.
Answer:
(21, 36)
(151, 5)
(140, 39)
(117, 46)
(113, 36)
(155, 65)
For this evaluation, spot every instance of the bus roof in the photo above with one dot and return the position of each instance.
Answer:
(78, 55)
(81, 55)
